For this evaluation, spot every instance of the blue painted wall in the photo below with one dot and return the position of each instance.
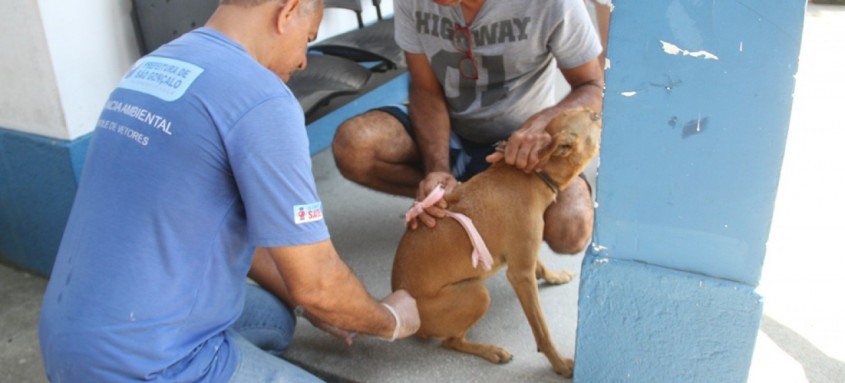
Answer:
(38, 180)
(696, 113)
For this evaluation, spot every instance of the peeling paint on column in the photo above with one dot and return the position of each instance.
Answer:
(673, 49)
(694, 127)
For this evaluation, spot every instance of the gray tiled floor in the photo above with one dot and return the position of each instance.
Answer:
(20, 300)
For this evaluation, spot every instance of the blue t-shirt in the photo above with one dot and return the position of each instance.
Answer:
(199, 155)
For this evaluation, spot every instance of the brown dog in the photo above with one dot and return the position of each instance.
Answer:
(506, 206)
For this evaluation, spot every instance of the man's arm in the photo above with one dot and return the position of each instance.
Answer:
(430, 119)
(524, 145)
(314, 277)
(264, 272)
(587, 83)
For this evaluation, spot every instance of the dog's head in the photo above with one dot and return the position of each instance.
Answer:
(576, 135)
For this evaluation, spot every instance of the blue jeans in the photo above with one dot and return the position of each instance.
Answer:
(261, 334)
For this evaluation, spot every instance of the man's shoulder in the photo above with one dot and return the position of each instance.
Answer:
(218, 55)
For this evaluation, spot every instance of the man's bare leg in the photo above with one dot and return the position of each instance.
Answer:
(569, 221)
(374, 150)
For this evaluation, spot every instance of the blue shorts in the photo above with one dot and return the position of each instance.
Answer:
(466, 158)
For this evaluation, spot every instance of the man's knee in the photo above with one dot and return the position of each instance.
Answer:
(570, 236)
(265, 321)
(569, 222)
(352, 148)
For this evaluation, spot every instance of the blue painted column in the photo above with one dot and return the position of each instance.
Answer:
(696, 114)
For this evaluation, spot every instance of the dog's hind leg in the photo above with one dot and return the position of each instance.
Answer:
(452, 312)
(552, 277)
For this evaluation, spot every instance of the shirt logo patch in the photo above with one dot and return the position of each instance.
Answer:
(308, 213)
(165, 78)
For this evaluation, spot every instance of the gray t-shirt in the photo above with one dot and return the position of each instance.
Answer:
(515, 45)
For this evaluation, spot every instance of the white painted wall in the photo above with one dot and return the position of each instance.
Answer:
(91, 44)
(29, 99)
(61, 59)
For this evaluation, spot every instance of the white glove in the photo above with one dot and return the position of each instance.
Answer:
(404, 309)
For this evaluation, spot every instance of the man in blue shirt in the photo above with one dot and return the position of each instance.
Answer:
(198, 175)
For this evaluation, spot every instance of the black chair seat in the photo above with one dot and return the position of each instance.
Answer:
(325, 77)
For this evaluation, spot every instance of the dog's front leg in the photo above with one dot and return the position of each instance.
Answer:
(524, 283)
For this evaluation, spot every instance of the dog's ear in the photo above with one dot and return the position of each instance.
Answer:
(562, 148)
(561, 145)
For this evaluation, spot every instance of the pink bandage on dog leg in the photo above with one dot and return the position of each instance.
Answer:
(480, 253)
(429, 200)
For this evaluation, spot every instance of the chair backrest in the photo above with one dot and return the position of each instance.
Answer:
(377, 4)
(160, 21)
(353, 5)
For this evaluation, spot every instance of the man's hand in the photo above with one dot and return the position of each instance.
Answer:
(525, 144)
(430, 215)
(404, 308)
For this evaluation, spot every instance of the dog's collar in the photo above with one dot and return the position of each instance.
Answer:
(500, 147)
(548, 180)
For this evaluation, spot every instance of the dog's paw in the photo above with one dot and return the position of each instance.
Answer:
(564, 367)
(557, 278)
(490, 352)
(498, 355)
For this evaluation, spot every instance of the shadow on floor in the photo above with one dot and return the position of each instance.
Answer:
(818, 367)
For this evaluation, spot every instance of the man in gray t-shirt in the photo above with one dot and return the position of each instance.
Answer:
(481, 71)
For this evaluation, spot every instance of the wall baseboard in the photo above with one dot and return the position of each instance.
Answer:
(38, 181)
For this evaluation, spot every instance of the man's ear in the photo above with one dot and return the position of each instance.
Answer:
(286, 13)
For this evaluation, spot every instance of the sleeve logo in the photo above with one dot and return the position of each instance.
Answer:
(308, 213)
